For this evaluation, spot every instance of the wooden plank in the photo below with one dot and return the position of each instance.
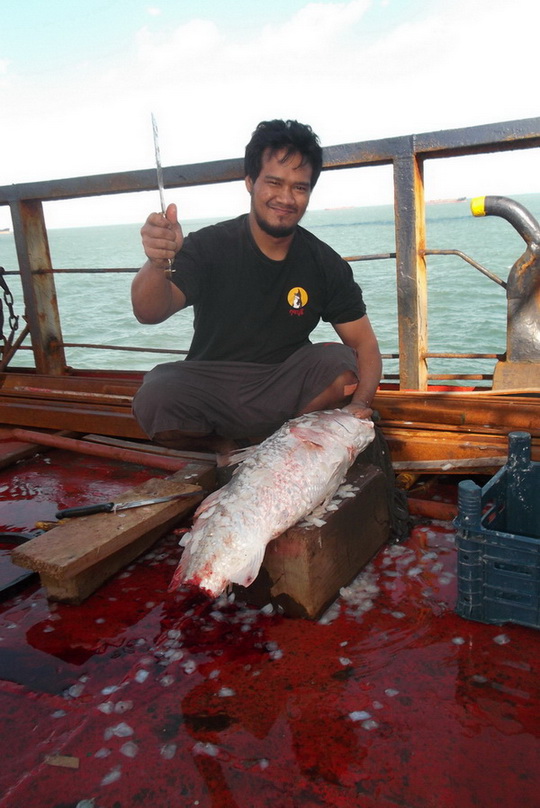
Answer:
(466, 411)
(447, 466)
(76, 557)
(411, 448)
(77, 416)
(305, 568)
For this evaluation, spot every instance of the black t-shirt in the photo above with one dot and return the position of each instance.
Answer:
(249, 308)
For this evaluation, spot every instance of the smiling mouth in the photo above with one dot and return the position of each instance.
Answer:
(282, 211)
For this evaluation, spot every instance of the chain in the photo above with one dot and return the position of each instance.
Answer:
(8, 298)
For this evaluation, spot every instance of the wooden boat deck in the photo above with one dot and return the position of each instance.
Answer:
(139, 695)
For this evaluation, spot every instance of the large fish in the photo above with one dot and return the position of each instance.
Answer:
(279, 482)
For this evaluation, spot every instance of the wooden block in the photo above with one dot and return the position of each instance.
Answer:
(76, 557)
(304, 568)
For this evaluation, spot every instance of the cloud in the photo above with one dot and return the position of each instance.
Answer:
(312, 30)
(191, 46)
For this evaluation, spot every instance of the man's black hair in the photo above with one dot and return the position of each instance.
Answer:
(296, 138)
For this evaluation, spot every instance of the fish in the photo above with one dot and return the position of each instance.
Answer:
(275, 485)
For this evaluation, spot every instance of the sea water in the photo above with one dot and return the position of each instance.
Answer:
(466, 310)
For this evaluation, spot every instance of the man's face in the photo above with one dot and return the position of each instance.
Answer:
(280, 194)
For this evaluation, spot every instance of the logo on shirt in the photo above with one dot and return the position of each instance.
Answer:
(297, 300)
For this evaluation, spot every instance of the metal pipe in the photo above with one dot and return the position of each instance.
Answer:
(522, 364)
(518, 216)
(112, 452)
(471, 261)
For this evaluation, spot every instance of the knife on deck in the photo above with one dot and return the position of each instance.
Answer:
(110, 507)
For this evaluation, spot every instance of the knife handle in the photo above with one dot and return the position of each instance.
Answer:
(85, 510)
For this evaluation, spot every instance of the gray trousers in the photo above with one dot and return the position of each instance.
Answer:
(237, 399)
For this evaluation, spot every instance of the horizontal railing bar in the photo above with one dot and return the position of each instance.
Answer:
(180, 351)
(453, 142)
(376, 257)
(123, 348)
(211, 173)
(501, 136)
(447, 376)
(463, 356)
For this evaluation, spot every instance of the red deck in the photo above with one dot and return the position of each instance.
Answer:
(157, 699)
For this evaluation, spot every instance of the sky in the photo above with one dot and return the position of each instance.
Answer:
(79, 82)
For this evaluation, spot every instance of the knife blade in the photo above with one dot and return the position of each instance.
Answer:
(159, 169)
(112, 507)
(159, 172)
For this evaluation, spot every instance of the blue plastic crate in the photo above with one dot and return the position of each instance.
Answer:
(498, 542)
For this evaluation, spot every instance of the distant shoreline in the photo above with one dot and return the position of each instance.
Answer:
(446, 201)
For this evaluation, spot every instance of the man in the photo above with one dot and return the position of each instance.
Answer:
(259, 284)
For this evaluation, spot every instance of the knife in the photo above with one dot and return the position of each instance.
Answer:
(109, 507)
(159, 169)
(159, 172)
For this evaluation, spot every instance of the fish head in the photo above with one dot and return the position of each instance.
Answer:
(354, 433)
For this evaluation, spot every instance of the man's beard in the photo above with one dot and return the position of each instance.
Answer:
(277, 231)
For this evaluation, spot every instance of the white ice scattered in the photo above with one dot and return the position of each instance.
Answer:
(129, 749)
(110, 689)
(209, 749)
(174, 654)
(75, 690)
(123, 706)
(121, 730)
(501, 639)
(359, 715)
(114, 775)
